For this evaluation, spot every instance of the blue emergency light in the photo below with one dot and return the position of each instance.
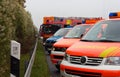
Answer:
(114, 15)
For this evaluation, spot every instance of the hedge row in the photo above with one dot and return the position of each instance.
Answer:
(15, 24)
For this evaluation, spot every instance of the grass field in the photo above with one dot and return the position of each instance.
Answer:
(40, 67)
(24, 57)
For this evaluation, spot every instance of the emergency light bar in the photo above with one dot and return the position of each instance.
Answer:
(114, 15)
(91, 20)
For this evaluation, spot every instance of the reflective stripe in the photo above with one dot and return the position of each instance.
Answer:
(107, 51)
(114, 52)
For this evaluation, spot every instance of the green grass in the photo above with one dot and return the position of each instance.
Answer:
(24, 57)
(40, 67)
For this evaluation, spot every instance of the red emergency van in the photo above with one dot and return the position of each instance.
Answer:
(70, 38)
(97, 54)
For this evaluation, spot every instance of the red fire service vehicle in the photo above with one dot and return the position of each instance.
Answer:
(98, 52)
(71, 37)
(50, 26)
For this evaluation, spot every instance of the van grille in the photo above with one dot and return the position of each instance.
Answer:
(60, 49)
(58, 57)
(95, 61)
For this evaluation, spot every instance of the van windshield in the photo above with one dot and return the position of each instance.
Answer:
(61, 32)
(105, 31)
(50, 28)
(77, 31)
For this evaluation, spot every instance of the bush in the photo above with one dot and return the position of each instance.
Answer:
(15, 24)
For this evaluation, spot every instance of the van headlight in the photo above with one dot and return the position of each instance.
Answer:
(64, 49)
(66, 56)
(53, 48)
(112, 61)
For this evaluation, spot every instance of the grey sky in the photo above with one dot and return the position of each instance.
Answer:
(66, 8)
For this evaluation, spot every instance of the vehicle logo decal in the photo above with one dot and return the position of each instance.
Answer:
(83, 59)
(107, 51)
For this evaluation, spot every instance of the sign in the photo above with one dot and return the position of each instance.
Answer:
(15, 59)
(15, 49)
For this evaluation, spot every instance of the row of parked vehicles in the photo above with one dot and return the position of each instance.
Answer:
(52, 24)
(89, 49)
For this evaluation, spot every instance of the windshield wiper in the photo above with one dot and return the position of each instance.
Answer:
(103, 40)
(106, 40)
(87, 40)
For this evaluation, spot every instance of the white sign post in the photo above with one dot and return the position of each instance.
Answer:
(15, 59)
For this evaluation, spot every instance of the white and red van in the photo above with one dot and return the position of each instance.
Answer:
(97, 54)
(70, 38)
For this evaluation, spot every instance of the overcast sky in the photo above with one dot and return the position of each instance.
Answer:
(68, 8)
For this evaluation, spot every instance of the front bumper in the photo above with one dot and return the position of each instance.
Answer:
(73, 70)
